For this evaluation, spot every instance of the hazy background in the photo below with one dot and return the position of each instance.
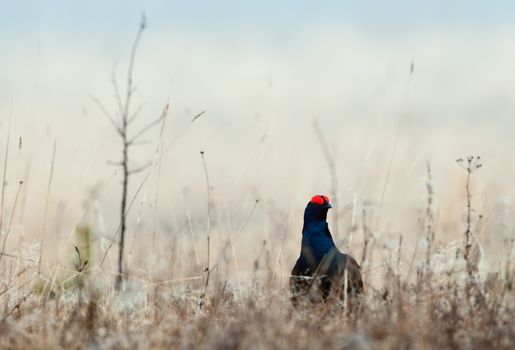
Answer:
(262, 72)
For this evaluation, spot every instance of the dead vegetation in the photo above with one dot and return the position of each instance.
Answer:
(432, 312)
(448, 302)
(426, 294)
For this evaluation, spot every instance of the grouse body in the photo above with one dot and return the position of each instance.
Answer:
(322, 270)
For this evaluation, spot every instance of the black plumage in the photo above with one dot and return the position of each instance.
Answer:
(321, 270)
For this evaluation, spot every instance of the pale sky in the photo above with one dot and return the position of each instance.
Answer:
(262, 70)
(268, 20)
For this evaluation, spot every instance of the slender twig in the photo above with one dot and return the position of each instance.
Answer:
(208, 224)
(190, 224)
(4, 176)
(242, 228)
(399, 255)
(109, 117)
(47, 202)
(353, 225)
(17, 257)
(281, 248)
(384, 264)
(158, 180)
(117, 94)
(345, 287)
(232, 241)
(395, 144)
(26, 177)
(122, 129)
(13, 211)
(130, 89)
(148, 127)
(147, 176)
(412, 261)
(430, 218)
(136, 113)
(17, 306)
(427, 225)
(473, 163)
(144, 180)
(179, 134)
(332, 171)
(469, 209)
(139, 169)
(366, 238)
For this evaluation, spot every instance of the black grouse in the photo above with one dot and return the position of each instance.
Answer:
(321, 269)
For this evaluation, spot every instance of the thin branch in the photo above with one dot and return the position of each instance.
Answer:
(323, 145)
(208, 225)
(402, 117)
(116, 89)
(13, 211)
(136, 113)
(473, 163)
(4, 183)
(130, 90)
(106, 114)
(140, 169)
(81, 265)
(149, 125)
(17, 306)
(429, 219)
(145, 179)
(246, 221)
(181, 132)
(49, 187)
(232, 241)
(159, 150)
(145, 129)
(332, 169)
(197, 116)
(131, 203)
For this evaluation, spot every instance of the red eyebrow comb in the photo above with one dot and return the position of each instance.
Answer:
(320, 200)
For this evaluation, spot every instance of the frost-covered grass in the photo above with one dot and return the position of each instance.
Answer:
(438, 307)
(420, 291)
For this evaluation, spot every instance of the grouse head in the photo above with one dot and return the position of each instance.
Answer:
(317, 208)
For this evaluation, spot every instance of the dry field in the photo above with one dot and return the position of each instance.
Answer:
(210, 240)
(422, 296)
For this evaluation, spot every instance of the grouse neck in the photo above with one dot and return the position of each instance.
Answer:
(315, 214)
(317, 238)
(316, 227)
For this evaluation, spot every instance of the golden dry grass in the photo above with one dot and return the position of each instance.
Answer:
(71, 309)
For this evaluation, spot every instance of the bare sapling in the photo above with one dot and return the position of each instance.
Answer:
(121, 122)
(470, 164)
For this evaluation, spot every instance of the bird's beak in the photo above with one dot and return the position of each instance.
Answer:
(328, 205)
